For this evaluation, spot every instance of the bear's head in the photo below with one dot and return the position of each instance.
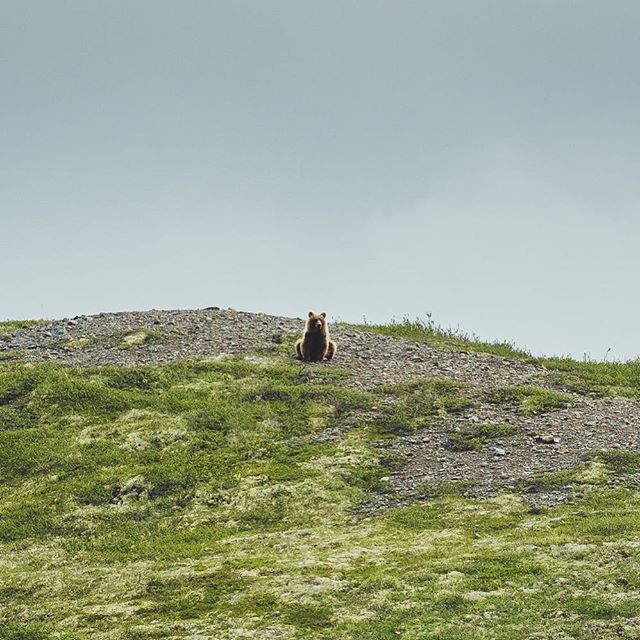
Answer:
(317, 323)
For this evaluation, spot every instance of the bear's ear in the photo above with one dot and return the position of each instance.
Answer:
(323, 315)
(311, 314)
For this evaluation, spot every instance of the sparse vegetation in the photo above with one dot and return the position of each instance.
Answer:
(425, 330)
(617, 461)
(477, 436)
(7, 326)
(529, 400)
(550, 481)
(599, 468)
(435, 490)
(415, 404)
(604, 378)
(138, 338)
(80, 343)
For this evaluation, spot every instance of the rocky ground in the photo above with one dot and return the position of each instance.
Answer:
(543, 443)
(540, 443)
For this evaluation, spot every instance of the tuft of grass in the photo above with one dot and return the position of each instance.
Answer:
(13, 631)
(8, 326)
(595, 472)
(549, 481)
(78, 344)
(11, 354)
(414, 405)
(477, 436)
(603, 378)
(138, 338)
(530, 400)
(437, 490)
(617, 461)
(425, 330)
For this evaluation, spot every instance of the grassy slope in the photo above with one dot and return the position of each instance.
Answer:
(194, 500)
(609, 378)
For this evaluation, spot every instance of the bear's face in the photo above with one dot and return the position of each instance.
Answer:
(316, 323)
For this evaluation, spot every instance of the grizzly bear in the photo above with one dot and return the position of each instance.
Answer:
(315, 344)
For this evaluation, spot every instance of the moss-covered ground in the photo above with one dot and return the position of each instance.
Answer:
(205, 500)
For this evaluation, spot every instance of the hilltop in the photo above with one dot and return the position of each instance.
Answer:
(420, 485)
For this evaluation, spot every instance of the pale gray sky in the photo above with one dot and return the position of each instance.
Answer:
(476, 160)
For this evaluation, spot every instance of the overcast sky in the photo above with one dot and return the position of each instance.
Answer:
(476, 160)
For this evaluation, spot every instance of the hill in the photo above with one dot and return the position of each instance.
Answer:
(177, 474)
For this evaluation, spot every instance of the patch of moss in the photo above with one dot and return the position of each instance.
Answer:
(550, 481)
(15, 631)
(530, 400)
(11, 354)
(477, 436)
(618, 461)
(414, 405)
(138, 338)
(434, 490)
(8, 326)
(78, 344)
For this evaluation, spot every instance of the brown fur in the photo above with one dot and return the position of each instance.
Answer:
(315, 344)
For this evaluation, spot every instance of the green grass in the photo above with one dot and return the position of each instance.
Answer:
(550, 481)
(414, 405)
(441, 338)
(475, 437)
(138, 338)
(603, 378)
(30, 632)
(529, 400)
(198, 499)
(435, 490)
(78, 344)
(599, 468)
(449, 568)
(7, 326)
(617, 461)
